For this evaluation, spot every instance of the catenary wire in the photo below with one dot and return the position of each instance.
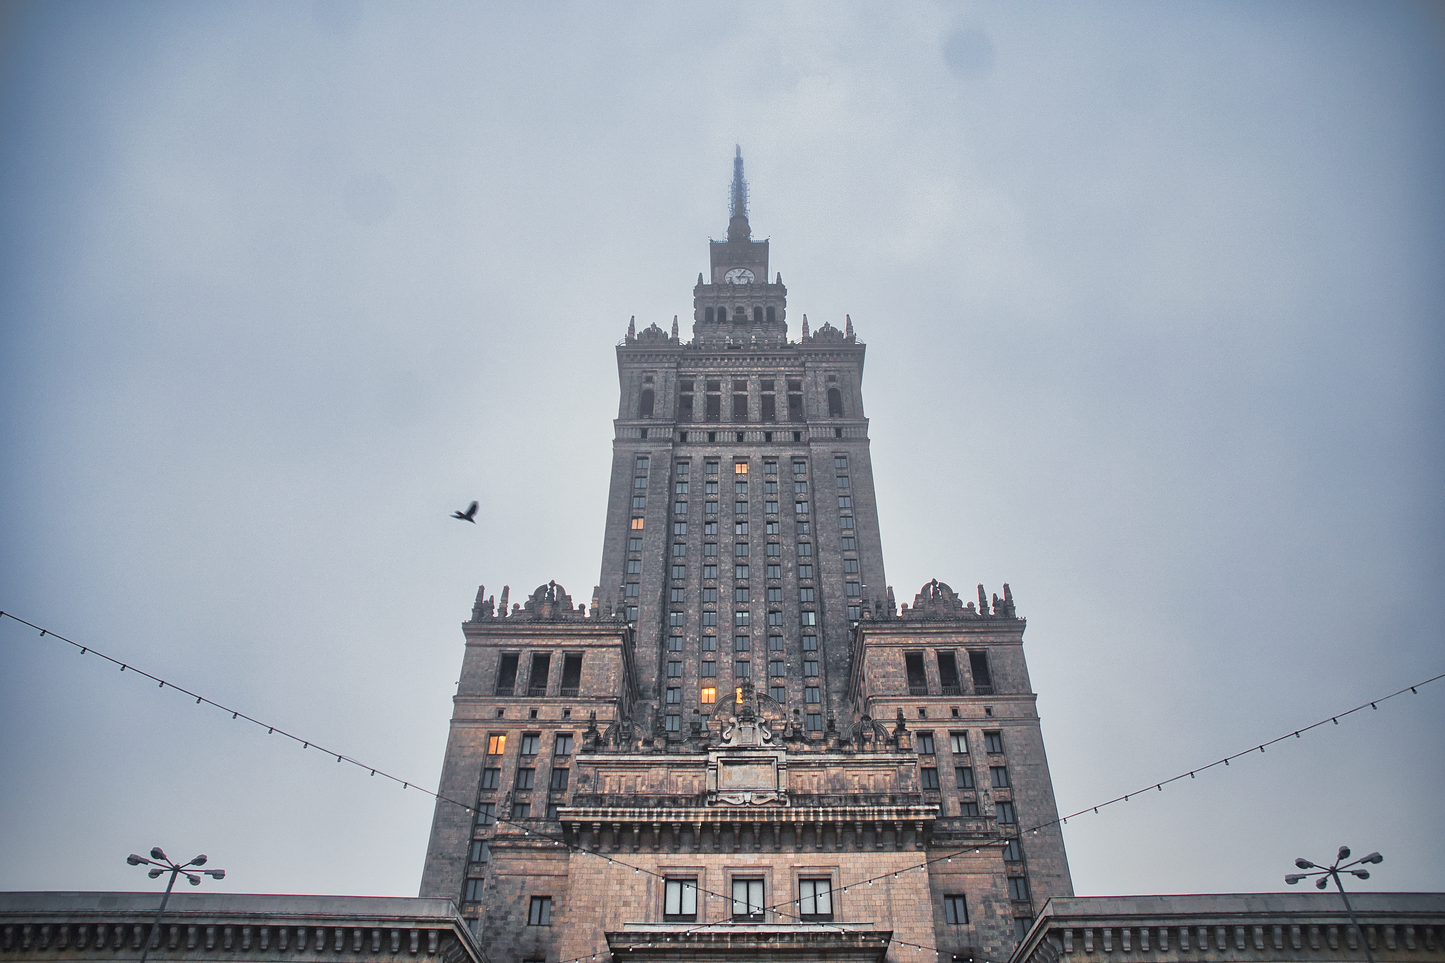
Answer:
(776, 908)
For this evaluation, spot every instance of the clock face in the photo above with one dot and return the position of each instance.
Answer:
(739, 276)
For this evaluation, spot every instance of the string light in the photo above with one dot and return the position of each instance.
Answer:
(777, 908)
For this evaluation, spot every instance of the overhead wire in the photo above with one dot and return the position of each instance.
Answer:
(775, 908)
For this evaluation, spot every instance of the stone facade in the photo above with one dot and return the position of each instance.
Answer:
(205, 927)
(1237, 927)
(741, 746)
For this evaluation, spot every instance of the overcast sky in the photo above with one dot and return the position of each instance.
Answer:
(1153, 297)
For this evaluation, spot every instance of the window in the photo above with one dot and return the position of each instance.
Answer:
(802, 526)
(679, 900)
(1012, 852)
(805, 549)
(740, 527)
(993, 741)
(811, 696)
(709, 594)
(1005, 811)
(679, 571)
(958, 743)
(845, 501)
(982, 678)
(631, 590)
(842, 481)
(948, 674)
(775, 594)
(709, 571)
(968, 808)
(800, 508)
(810, 667)
(775, 618)
(554, 811)
(1018, 887)
(773, 527)
(710, 487)
(917, 677)
(740, 571)
(530, 743)
(674, 643)
(642, 463)
(563, 745)
(775, 571)
(799, 467)
(747, 899)
(998, 776)
(778, 693)
(955, 910)
(674, 696)
(507, 675)
(711, 467)
(741, 617)
(815, 899)
(928, 777)
(632, 613)
(741, 593)
(571, 675)
(679, 488)
(674, 670)
(474, 890)
(677, 595)
(808, 618)
(963, 777)
(679, 508)
(1022, 924)
(634, 544)
(835, 403)
(775, 643)
(491, 777)
(673, 723)
(675, 618)
(496, 745)
(708, 695)
(708, 670)
(740, 468)
(639, 501)
(710, 618)
(486, 813)
(814, 722)
(709, 528)
(805, 595)
(805, 571)
(539, 912)
(810, 643)
(925, 743)
(850, 544)
(559, 780)
(525, 777)
(777, 668)
(640, 481)
(840, 462)
(634, 566)
(850, 566)
(845, 521)
(709, 643)
(740, 487)
(682, 466)
(742, 670)
(741, 549)
(854, 590)
(481, 851)
(637, 525)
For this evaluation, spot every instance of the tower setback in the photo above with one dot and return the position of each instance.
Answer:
(743, 744)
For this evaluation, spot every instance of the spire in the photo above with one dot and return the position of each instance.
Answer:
(738, 228)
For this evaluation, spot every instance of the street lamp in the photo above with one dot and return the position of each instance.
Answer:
(1326, 873)
(161, 863)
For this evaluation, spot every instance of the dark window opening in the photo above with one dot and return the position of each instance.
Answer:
(644, 409)
(1018, 888)
(770, 408)
(685, 409)
(722, 315)
(955, 910)
(982, 679)
(714, 410)
(708, 315)
(758, 315)
(740, 407)
(772, 314)
(571, 674)
(835, 403)
(539, 913)
(537, 681)
(507, 675)
(948, 674)
(917, 677)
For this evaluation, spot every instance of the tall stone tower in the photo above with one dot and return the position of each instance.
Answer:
(744, 739)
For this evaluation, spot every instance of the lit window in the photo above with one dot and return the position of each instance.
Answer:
(637, 524)
(539, 912)
(747, 899)
(815, 899)
(955, 910)
(496, 745)
(708, 695)
(741, 468)
(679, 901)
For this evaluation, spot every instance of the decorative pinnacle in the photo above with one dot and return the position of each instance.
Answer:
(738, 228)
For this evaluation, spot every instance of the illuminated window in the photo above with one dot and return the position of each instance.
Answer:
(496, 745)
(637, 524)
(708, 695)
(741, 468)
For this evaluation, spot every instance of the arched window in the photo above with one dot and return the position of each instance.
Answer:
(709, 315)
(758, 315)
(835, 403)
(644, 409)
(722, 315)
(772, 316)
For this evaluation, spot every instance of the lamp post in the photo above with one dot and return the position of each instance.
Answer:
(161, 863)
(1326, 873)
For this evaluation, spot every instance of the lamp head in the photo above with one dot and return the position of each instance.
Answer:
(1361, 873)
(198, 861)
(1373, 858)
(133, 859)
(158, 853)
(1304, 864)
(195, 880)
(1320, 883)
(1293, 878)
(155, 873)
(216, 873)
(1344, 852)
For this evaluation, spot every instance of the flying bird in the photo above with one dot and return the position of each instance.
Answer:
(467, 516)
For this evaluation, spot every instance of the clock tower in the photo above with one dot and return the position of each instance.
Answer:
(737, 304)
